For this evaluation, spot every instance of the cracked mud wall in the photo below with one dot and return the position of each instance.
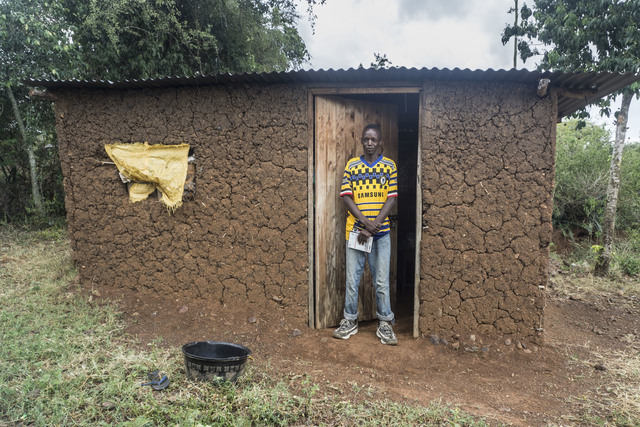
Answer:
(487, 176)
(242, 240)
(487, 179)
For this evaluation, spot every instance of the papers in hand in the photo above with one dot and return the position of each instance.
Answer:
(354, 244)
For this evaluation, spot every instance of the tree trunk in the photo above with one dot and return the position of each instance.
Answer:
(609, 222)
(35, 188)
(515, 37)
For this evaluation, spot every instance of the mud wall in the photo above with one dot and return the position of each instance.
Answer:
(487, 178)
(487, 174)
(242, 239)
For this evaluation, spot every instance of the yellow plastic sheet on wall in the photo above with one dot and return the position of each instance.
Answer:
(152, 167)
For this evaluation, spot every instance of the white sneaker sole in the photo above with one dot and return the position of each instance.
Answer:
(346, 337)
(382, 340)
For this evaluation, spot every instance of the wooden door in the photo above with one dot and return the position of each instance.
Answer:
(338, 128)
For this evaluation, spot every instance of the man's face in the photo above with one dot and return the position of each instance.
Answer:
(371, 140)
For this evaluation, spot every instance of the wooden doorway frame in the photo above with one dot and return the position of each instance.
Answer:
(359, 90)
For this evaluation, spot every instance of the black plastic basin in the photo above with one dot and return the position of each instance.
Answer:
(211, 360)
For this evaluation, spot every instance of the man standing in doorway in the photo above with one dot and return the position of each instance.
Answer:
(369, 191)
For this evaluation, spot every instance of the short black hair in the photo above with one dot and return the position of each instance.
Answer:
(374, 127)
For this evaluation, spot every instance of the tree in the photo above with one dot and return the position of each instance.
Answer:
(120, 39)
(609, 222)
(521, 27)
(588, 35)
(515, 37)
(34, 41)
(515, 34)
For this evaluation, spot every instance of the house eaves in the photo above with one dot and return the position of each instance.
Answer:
(575, 90)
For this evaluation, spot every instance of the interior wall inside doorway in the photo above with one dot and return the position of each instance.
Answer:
(407, 161)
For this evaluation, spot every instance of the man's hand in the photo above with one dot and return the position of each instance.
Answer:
(363, 236)
(372, 226)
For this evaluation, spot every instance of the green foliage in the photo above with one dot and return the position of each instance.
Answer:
(35, 40)
(633, 239)
(581, 36)
(524, 27)
(626, 255)
(592, 35)
(629, 262)
(628, 210)
(120, 39)
(582, 173)
(15, 203)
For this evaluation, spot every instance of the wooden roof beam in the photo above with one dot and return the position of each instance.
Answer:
(577, 94)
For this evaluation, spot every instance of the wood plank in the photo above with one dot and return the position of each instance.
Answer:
(330, 89)
(333, 305)
(311, 213)
(392, 125)
(416, 275)
(345, 118)
(330, 277)
(319, 220)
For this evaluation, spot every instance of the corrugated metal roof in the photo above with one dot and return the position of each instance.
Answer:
(580, 89)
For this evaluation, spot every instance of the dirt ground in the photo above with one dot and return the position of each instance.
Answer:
(500, 381)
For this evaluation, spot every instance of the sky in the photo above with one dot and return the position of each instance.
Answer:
(422, 34)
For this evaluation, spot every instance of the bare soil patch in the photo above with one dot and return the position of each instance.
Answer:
(560, 382)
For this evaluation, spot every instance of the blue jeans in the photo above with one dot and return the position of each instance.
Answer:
(379, 260)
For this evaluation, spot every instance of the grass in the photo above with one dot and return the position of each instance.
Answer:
(620, 398)
(583, 286)
(622, 395)
(578, 279)
(617, 402)
(65, 360)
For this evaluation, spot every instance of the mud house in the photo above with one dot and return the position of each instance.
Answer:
(263, 225)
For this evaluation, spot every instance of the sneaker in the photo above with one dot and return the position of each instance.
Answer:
(385, 333)
(346, 329)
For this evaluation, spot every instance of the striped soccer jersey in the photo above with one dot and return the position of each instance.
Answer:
(370, 185)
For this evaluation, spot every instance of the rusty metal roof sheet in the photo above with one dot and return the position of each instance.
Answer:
(577, 89)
